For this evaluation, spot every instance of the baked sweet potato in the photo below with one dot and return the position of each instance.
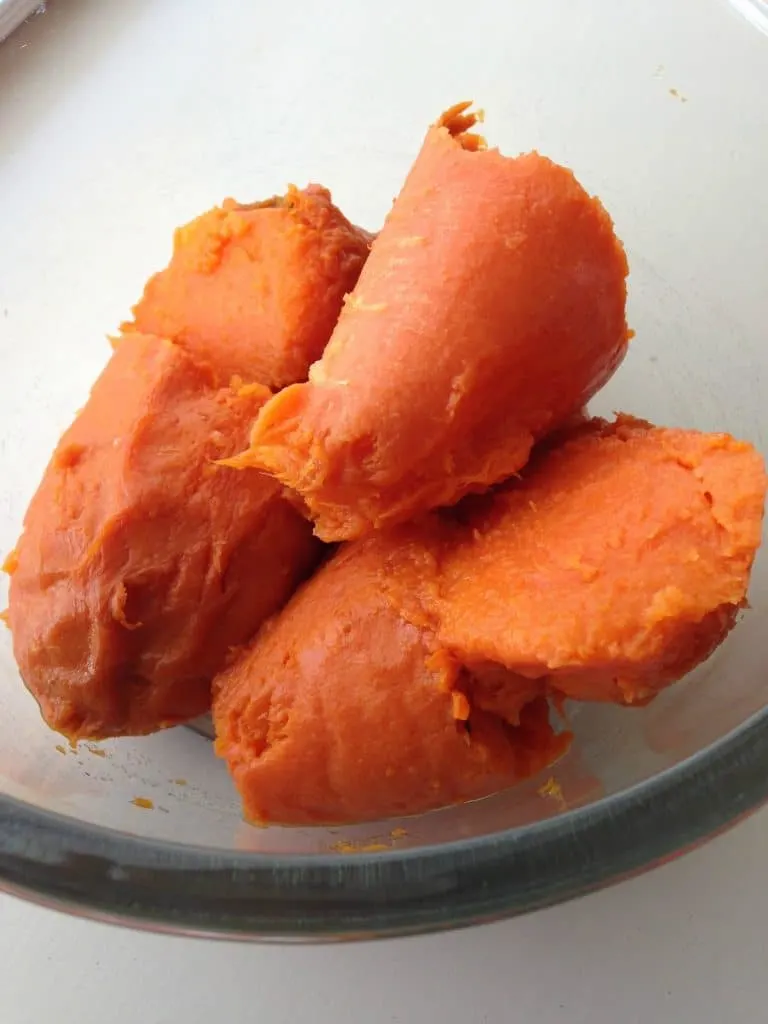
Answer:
(413, 670)
(142, 563)
(615, 566)
(491, 308)
(345, 708)
(255, 289)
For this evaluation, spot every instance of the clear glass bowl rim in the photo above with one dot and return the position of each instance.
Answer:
(109, 875)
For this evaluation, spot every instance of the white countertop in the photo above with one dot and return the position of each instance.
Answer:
(686, 943)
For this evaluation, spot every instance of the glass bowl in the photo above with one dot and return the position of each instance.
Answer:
(120, 121)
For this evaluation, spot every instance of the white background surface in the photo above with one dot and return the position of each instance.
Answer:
(687, 943)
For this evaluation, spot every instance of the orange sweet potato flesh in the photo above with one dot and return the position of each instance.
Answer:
(255, 290)
(345, 708)
(491, 308)
(142, 563)
(617, 565)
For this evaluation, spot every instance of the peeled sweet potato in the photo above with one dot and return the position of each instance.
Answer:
(346, 709)
(142, 563)
(413, 670)
(255, 289)
(491, 308)
(615, 566)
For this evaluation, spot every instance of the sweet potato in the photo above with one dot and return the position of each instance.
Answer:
(611, 569)
(345, 708)
(491, 308)
(255, 290)
(614, 567)
(142, 563)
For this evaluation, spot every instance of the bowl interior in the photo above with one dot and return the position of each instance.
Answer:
(103, 154)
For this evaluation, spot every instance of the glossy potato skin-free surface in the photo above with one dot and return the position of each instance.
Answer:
(615, 566)
(346, 709)
(491, 308)
(413, 670)
(142, 562)
(255, 290)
